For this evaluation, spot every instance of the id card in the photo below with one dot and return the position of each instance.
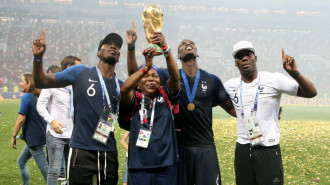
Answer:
(143, 138)
(253, 130)
(106, 124)
(112, 120)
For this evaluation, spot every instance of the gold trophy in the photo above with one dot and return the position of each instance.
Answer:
(152, 22)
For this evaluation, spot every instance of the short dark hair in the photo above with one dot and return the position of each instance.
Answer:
(53, 69)
(68, 60)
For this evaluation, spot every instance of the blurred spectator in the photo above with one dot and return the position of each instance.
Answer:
(71, 36)
(5, 89)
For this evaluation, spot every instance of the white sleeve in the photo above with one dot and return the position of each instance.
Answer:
(226, 85)
(42, 104)
(286, 85)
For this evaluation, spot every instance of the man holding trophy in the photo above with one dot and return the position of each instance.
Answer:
(200, 91)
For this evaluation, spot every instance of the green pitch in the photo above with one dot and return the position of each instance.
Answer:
(304, 142)
(291, 112)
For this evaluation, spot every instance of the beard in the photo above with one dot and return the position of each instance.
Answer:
(110, 60)
(188, 57)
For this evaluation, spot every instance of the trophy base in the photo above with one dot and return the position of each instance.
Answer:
(159, 51)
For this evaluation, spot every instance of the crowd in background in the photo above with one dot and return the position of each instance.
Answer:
(214, 41)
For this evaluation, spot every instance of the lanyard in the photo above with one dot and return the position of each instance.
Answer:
(191, 96)
(152, 112)
(105, 91)
(255, 107)
(71, 101)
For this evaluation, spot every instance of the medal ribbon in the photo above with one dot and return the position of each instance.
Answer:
(105, 94)
(191, 96)
(152, 113)
(255, 107)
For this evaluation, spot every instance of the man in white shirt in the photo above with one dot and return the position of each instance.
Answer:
(55, 106)
(256, 97)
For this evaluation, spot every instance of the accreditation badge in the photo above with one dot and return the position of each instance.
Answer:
(253, 130)
(143, 138)
(104, 126)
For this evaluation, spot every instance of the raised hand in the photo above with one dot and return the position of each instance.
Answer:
(159, 39)
(131, 36)
(149, 54)
(39, 45)
(289, 63)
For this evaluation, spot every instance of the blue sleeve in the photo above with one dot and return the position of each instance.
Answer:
(121, 83)
(164, 74)
(25, 103)
(69, 75)
(174, 98)
(125, 113)
(220, 94)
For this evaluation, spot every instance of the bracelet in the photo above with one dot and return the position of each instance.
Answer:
(37, 59)
(131, 47)
(167, 52)
(165, 48)
(144, 70)
(296, 74)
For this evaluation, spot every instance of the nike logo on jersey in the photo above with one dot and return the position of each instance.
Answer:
(90, 80)
(160, 99)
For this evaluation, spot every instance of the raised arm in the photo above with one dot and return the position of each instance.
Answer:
(131, 38)
(126, 91)
(173, 82)
(41, 80)
(306, 87)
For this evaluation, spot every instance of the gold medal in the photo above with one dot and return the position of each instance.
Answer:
(191, 106)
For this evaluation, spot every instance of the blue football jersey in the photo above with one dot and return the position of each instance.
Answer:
(88, 105)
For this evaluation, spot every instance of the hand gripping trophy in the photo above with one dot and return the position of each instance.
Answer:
(152, 22)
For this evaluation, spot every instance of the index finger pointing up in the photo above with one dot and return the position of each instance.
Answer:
(134, 28)
(283, 54)
(43, 34)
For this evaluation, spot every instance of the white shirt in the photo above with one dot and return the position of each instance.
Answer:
(272, 85)
(57, 101)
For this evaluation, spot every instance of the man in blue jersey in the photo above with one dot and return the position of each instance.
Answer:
(95, 97)
(200, 91)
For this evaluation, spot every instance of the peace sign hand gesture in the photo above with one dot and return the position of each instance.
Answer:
(289, 63)
(39, 45)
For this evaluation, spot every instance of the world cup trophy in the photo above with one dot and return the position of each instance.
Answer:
(152, 22)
